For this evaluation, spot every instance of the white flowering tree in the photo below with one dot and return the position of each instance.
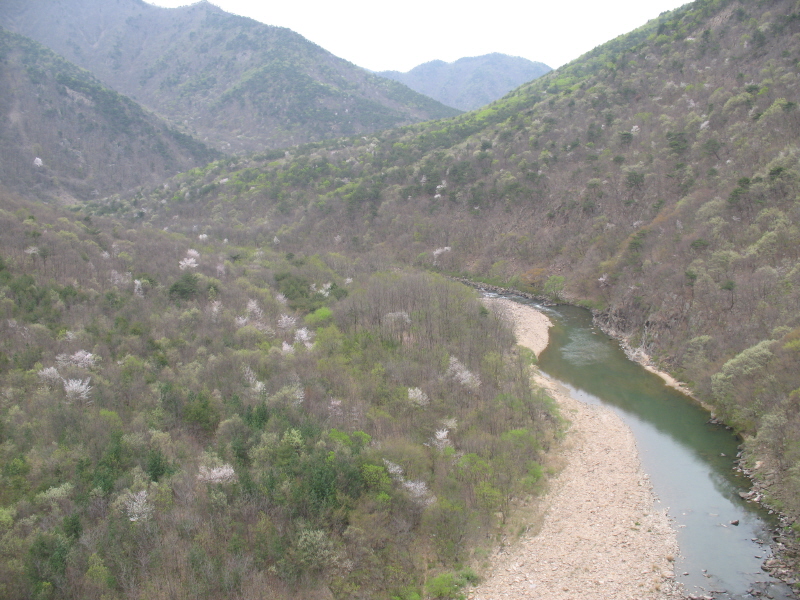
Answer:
(188, 263)
(418, 397)
(78, 390)
(304, 336)
(221, 474)
(81, 358)
(137, 507)
(459, 372)
(286, 321)
(50, 377)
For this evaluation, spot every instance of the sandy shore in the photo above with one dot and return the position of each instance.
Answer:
(641, 357)
(602, 535)
(530, 325)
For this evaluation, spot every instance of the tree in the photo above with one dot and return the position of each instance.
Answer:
(712, 146)
(554, 286)
(729, 286)
(186, 287)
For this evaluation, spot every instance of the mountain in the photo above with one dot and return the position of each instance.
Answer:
(253, 380)
(655, 180)
(63, 134)
(472, 82)
(236, 84)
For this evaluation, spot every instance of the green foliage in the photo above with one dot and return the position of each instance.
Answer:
(320, 316)
(678, 142)
(375, 478)
(634, 180)
(448, 585)
(284, 430)
(554, 286)
(445, 585)
(637, 241)
(186, 287)
(72, 526)
(295, 288)
(47, 563)
(198, 412)
(747, 366)
(157, 465)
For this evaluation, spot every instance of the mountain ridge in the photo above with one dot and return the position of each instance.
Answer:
(65, 135)
(230, 81)
(470, 82)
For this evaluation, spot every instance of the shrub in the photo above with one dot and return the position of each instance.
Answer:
(185, 288)
(319, 316)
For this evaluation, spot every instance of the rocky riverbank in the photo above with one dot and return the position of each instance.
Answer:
(602, 534)
(639, 355)
(530, 326)
(784, 565)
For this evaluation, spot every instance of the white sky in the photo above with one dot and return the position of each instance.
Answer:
(401, 35)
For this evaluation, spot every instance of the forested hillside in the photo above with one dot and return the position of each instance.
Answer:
(187, 416)
(470, 82)
(234, 83)
(655, 180)
(252, 379)
(64, 135)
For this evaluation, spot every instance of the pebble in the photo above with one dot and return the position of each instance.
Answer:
(602, 535)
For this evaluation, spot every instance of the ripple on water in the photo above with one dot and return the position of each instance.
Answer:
(584, 349)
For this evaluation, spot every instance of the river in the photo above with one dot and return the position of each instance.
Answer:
(690, 462)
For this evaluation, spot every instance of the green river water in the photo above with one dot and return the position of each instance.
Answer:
(689, 461)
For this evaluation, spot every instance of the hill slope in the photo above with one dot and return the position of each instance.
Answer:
(470, 82)
(237, 84)
(64, 134)
(655, 179)
(185, 416)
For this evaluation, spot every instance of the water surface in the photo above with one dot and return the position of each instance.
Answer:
(690, 462)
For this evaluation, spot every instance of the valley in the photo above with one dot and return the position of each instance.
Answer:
(233, 83)
(234, 361)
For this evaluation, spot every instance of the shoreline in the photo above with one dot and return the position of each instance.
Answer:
(638, 355)
(531, 327)
(601, 534)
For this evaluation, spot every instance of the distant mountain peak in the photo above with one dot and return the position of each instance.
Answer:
(471, 81)
(237, 84)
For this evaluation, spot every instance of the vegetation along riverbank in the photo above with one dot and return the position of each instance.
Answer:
(235, 368)
(599, 533)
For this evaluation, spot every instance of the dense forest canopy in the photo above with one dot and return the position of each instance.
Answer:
(181, 413)
(254, 378)
(654, 180)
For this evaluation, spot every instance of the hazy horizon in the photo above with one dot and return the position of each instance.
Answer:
(393, 38)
